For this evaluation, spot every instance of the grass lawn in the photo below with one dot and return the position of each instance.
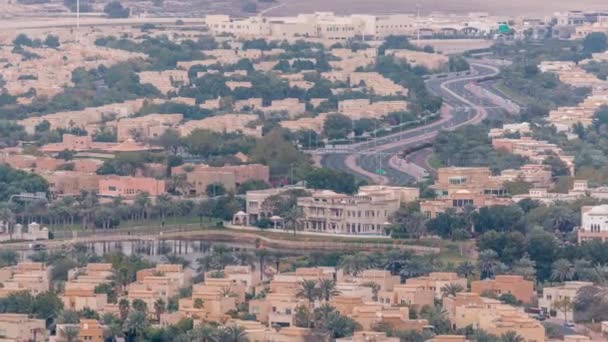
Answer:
(434, 161)
(524, 100)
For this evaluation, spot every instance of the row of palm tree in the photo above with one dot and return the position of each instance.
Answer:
(313, 290)
(86, 210)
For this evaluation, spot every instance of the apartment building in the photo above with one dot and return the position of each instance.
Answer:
(315, 124)
(431, 61)
(129, 187)
(594, 223)
(363, 108)
(80, 295)
(146, 127)
(371, 315)
(19, 327)
(277, 309)
(166, 80)
(366, 213)
(200, 176)
(383, 278)
(538, 175)
(521, 289)
(292, 106)
(376, 83)
(554, 294)
(407, 294)
(86, 117)
(163, 281)
(34, 277)
(227, 123)
(478, 180)
(93, 273)
(71, 183)
(519, 128)
(436, 281)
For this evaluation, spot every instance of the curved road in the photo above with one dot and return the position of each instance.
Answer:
(460, 108)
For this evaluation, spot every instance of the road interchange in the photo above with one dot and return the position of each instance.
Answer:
(377, 160)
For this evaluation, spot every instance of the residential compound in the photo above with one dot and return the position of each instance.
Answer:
(327, 25)
(565, 118)
(366, 213)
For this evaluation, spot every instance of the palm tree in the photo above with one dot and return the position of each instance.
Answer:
(262, 254)
(327, 289)
(277, 258)
(159, 308)
(198, 303)
(142, 201)
(233, 333)
(562, 270)
(308, 290)
(451, 289)
(487, 263)
(123, 308)
(70, 333)
(136, 323)
(204, 333)
(139, 305)
(244, 258)
(175, 259)
(511, 336)
(7, 218)
(466, 269)
(354, 263)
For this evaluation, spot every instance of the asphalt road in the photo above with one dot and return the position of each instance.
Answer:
(370, 157)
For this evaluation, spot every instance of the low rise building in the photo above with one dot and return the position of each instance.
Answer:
(71, 183)
(436, 281)
(200, 176)
(19, 327)
(431, 61)
(407, 294)
(594, 223)
(277, 309)
(521, 289)
(372, 314)
(146, 127)
(227, 123)
(130, 187)
(376, 83)
(166, 80)
(33, 232)
(292, 106)
(80, 295)
(34, 277)
(366, 213)
(363, 108)
(566, 292)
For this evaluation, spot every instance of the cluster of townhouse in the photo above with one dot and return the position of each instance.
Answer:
(49, 78)
(564, 118)
(271, 297)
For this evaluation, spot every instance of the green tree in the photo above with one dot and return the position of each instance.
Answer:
(136, 324)
(308, 290)
(353, 264)
(451, 289)
(595, 42)
(47, 304)
(70, 333)
(458, 63)
(337, 126)
(52, 41)
(115, 9)
(123, 308)
(327, 289)
(215, 189)
(511, 336)
(159, 308)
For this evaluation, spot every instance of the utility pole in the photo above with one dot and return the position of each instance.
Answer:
(77, 20)
(418, 22)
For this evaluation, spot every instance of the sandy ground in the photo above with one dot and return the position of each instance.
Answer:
(495, 7)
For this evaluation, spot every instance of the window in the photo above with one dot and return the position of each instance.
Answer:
(111, 188)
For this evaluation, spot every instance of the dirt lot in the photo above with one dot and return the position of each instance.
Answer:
(496, 7)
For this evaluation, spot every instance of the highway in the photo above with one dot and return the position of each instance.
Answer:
(376, 160)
